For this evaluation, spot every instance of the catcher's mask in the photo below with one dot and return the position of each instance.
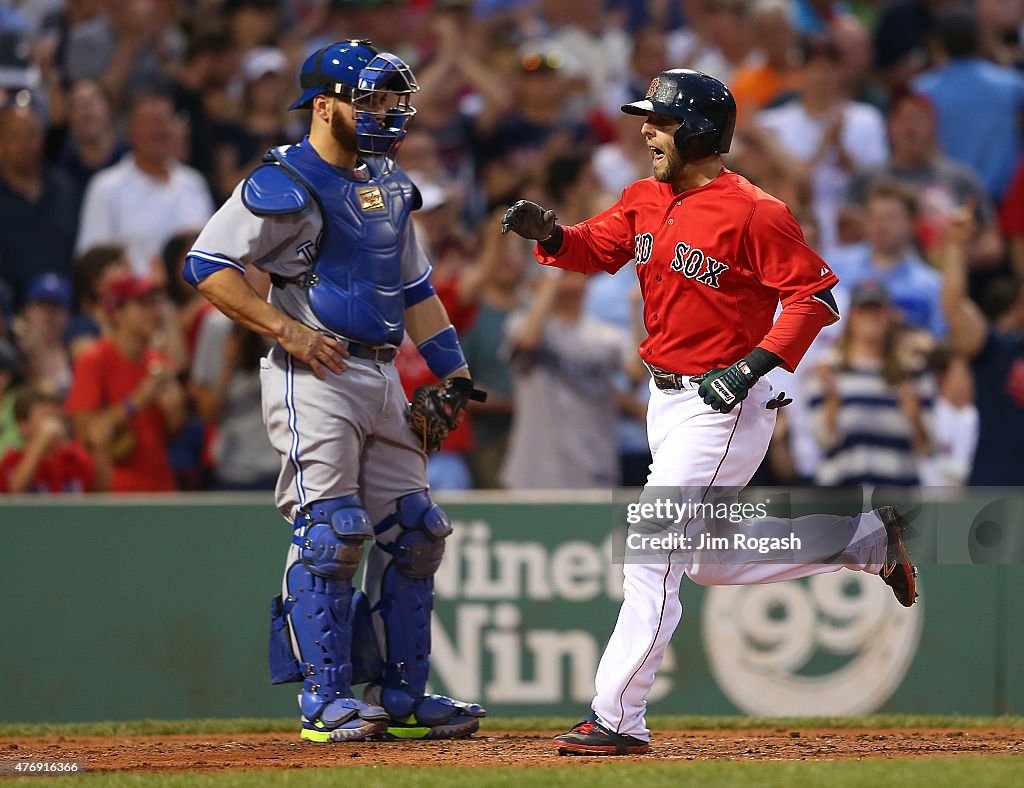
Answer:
(381, 102)
(703, 105)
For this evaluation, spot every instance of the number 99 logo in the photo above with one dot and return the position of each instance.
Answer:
(835, 644)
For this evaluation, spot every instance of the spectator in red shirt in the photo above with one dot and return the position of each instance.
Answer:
(124, 395)
(49, 462)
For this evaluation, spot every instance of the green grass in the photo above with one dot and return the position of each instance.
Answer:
(665, 723)
(930, 772)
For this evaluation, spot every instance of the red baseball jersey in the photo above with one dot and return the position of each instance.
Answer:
(713, 262)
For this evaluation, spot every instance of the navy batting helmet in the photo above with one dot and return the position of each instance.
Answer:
(704, 106)
(333, 69)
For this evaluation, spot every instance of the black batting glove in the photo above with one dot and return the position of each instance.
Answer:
(724, 389)
(529, 220)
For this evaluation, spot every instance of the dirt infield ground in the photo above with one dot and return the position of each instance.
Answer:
(218, 753)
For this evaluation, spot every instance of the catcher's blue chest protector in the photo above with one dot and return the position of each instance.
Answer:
(356, 287)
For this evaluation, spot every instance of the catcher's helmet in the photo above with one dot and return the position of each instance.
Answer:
(333, 69)
(704, 106)
(381, 101)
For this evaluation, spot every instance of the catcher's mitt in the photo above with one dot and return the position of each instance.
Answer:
(435, 409)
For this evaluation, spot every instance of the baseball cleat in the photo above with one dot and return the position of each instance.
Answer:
(428, 718)
(590, 738)
(344, 720)
(897, 571)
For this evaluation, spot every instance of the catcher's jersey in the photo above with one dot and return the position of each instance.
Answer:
(713, 263)
(363, 248)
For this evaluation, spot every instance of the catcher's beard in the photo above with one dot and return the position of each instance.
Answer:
(343, 132)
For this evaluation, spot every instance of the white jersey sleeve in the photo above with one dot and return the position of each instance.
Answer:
(280, 244)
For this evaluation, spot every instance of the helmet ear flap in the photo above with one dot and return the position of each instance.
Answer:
(695, 138)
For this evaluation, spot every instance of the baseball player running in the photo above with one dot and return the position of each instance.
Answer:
(715, 255)
(329, 220)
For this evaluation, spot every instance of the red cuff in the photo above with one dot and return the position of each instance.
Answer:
(796, 329)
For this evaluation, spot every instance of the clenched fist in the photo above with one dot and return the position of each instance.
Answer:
(529, 220)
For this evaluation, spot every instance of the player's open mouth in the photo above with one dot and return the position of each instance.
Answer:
(656, 154)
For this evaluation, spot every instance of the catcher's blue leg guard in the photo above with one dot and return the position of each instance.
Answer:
(406, 603)
(330, 539)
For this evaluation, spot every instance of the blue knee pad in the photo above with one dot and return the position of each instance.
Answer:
(332, 544)
(313, 625)
(407, 599)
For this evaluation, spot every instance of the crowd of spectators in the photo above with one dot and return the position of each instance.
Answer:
(892, 129)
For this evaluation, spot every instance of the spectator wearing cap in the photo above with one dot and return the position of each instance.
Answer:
(39, 331)
(979, 103)
(124, 397)
(942, 185)
(995, 348)
(870, 414)
(94, 270)
(240, 144)
(92, 142)
(890, 256)
(38, 205)
(148, 196)
(823, 137)
(50, 461)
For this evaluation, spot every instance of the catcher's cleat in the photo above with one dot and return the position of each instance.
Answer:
(590, 738)
(897, 571)
(432, 717)
(344, 720)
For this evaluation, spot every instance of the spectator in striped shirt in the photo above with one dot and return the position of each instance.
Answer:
(871, 412)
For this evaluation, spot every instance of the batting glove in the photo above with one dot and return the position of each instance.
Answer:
(529, 220)
(724, 389)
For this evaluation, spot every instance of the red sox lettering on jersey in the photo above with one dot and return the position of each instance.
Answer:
(713, 264)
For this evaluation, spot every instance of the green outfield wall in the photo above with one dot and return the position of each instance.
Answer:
(157, 607)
